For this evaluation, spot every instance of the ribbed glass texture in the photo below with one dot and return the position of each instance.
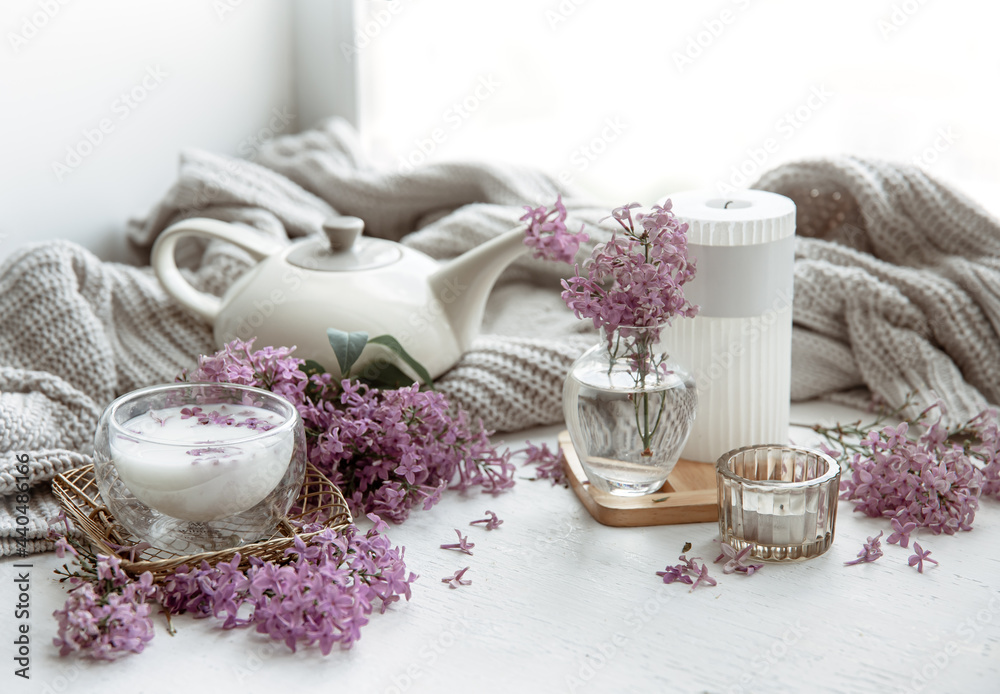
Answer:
(780, 499)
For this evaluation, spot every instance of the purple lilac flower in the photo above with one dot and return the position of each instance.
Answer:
(919, 556)
(635, 279)
(322, 596)
(239, 372)
(387, 450)
(107, 618)
(63, 547)
(491, 522)
(549, 463)
(871, 551)
(547, 233)
(736, 559)
(703, 577)
(60, 517)
(255, 424)
(325, 596)
(675, 573)
(219, 419)
(321, 593)
(832, 452)
(901, 533)
(102, 627)
(929, 483)
(463, 544)
(687, 571)
(211, 450)
(189, 412)
(456, 580)
(986, 429)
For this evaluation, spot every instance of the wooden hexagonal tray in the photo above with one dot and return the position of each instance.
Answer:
(688, 496)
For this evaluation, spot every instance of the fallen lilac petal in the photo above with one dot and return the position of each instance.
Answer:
(703, 577)
(919, 556)
(750, 569)
(687, 571)
(463, 544)
(871, 551)
(491, 523)
(736, 558)
(456, 580)
(674, 573)
(549, 464)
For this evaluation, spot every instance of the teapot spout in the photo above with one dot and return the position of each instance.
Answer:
(462, 285)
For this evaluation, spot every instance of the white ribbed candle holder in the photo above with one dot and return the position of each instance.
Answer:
(739, 347)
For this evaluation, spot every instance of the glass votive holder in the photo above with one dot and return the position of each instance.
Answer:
(195, 467)
(782, 500)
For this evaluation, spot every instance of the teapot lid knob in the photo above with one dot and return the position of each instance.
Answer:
(342, 232)
(342, 248)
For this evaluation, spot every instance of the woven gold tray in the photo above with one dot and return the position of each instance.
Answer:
(320, 502)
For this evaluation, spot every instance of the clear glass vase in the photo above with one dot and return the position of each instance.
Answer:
(194, 467)
(629, 411)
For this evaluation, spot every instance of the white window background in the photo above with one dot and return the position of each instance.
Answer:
(598, 92)
(632, 99)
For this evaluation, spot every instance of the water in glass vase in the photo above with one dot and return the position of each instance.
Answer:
(628, 424)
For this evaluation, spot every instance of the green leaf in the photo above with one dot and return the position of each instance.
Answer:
(392, 344)
(389, 376)
(312, 367)
(347, 347)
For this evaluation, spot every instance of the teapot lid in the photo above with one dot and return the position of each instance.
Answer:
(343, 249)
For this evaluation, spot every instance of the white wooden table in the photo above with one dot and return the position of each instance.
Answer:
(560, 603)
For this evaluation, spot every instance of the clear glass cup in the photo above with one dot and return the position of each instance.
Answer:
(193, 467)
(629, 411)
(782, 500)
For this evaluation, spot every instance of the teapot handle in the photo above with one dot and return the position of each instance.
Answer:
(165, 266)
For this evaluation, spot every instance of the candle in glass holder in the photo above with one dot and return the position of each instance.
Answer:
(779, 500)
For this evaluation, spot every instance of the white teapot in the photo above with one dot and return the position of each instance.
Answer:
(345, 281)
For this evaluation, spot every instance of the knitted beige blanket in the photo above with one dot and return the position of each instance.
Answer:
(897, 287)
(901, 294)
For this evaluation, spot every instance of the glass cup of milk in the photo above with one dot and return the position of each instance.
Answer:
(193, 467)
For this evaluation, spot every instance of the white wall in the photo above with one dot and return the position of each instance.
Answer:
(203, 73)
(631, 99)
(326, 60)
